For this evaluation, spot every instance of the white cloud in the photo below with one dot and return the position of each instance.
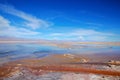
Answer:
(9, 30)
(4, 23)
(31, 21)
(83, 35)
(89, 32)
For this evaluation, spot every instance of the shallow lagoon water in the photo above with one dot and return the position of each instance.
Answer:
(19, 51)
(10, 52)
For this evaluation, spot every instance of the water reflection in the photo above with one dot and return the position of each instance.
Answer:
(19, 51)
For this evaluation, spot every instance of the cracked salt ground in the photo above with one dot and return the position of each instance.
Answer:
(26, 75)
(74, 76)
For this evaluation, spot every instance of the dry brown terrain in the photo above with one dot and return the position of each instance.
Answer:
(55, 63)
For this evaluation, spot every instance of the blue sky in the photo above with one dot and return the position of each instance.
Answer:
(81, 20)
